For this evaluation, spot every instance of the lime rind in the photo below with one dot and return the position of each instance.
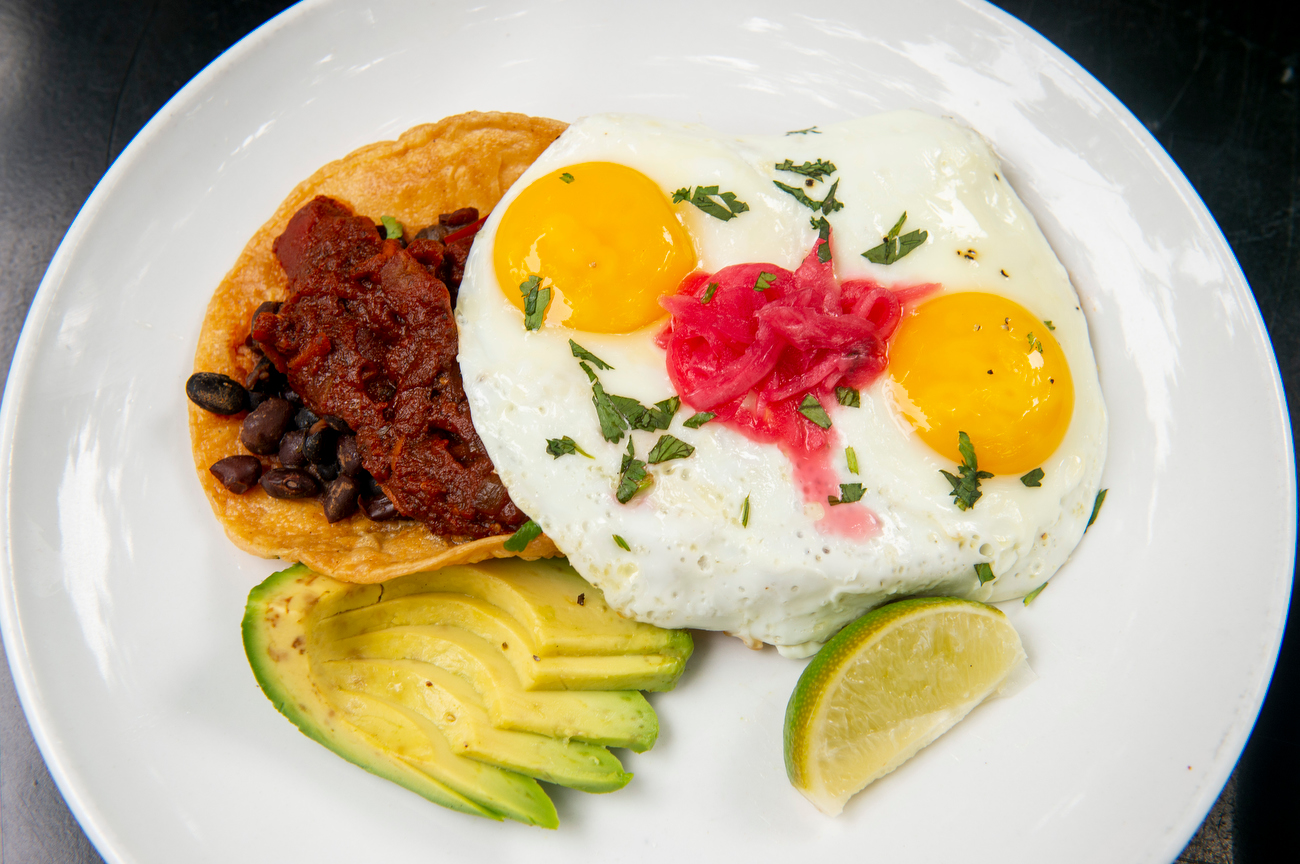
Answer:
(886, 686)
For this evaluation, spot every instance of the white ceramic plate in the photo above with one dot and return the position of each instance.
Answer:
(122, 599)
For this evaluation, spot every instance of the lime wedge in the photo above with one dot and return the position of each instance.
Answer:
(887, 685)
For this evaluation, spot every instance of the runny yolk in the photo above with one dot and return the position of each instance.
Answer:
(982, 364)
(603, 237)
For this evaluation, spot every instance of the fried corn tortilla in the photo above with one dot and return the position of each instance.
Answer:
(468, 160)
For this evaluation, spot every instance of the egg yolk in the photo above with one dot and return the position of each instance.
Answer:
(603, 237)
(982, 364)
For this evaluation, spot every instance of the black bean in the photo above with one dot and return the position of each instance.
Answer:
(289, 393)
(340, 499)
(289, 483)
(261, 373)
(256, 398)
(324, 473)
(304, 418)
(291, 455)
(217, 393)
(237, 473)
(379, 508)
(338, 424)
(271, 306)
(264, 426)
(349, 455)
(319, 446)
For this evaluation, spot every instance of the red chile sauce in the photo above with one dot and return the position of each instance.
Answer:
(367, 334)
(750, 342)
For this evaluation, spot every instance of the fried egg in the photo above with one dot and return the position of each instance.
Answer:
(729, 538)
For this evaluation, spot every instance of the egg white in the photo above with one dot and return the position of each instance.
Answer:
(780, 579)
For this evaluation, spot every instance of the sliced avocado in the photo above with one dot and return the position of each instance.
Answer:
(451, 704)
(497, 627)
(564, 614)
(616, 718)
(395, 744)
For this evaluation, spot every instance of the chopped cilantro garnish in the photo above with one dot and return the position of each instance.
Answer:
(527, 533)
(1050, 326)
(611, 419)
(744, 513)
(849, 493)
(811, 130)
(827, 205)
(565, 446)
(1033, 478)
(896, 247)
(851, 456)
(695, 421)
(646, 419)
(966, 488)
(669, 447)
(1096, 508)
(848, 397)
(1029, 598)
(536, 299)
(813, 410)
(1034, 344)
(708, 292)
(824, 234)
(703, 196)
(985, 572)
(632, 477)
(392, 228)
(799, 195)
(566, 177)
(622, 544)
(816, 170)
(583, 354)
(764, 280)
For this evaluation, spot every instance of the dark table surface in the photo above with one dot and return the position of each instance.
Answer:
(1216, 81)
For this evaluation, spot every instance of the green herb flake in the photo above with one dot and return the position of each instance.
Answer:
(966, 488)
(695, 421)
(565, 446)
(830, 205)
(1050, 326)
(824, 235)
(1096, 508)
(814, 170)
(896, 247)
(984, 571)
(392, 228)
(849, 493)
(848, 397)
(764, 280)
(1034, 344)
(622, 544)
(1034, 478)
(811, 130)
(536, 299)
(744, 513)
(527, 533)
(583, 354)
(646, 419)
(669, 447)
(813, 410)
(611, 419)
(566, 177)
(703, 199)
(632, 477)
(1029, 598)
(851, 456)
(798, 195)
(708, 292)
